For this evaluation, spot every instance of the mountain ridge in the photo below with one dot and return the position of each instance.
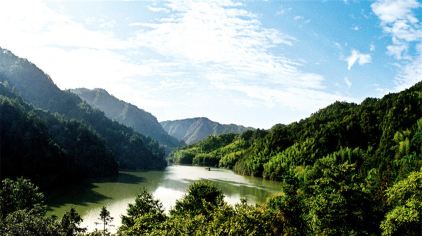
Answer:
(127, 114)
(131, 149)
(193, 130)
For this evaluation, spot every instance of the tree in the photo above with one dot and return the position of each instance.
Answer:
(70, 223)
(26, 223)
(22, 210)
(20, 194)
(105, 218)
(143, 216)
(405, 198)
(202, 197)
(336, 200)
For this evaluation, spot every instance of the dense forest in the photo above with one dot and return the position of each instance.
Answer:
(47, 148)
(384, 130)
(348, 169)
(341, 204)
(130, 149)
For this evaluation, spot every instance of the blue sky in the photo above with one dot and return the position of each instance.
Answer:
(255, 63)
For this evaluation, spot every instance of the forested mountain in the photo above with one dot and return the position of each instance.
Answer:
(377, 127)
(47, 148)
(131, 149)
(127, 114)
(348, 169)
(196, 129)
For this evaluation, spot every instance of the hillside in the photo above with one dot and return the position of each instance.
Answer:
(376, 126)
(347, 169)
(194, 130)
(131, 150)
(127, 114)
(47, 148)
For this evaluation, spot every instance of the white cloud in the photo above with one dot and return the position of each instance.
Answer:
(37, 25)
(358, 57)
(197, 50)
(230, 40)
(300, 100)
(410, 73)
(280, 12)
(297, 18)
(356, 28)
(158, 9)
(102, 23)
(397, 50)
(210, 32)
(399, 21)
(390, 11)
(348, 82)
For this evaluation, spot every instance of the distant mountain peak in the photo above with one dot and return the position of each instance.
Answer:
(127, 114)
(192, 130)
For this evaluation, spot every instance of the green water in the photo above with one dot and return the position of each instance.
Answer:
(167, 186)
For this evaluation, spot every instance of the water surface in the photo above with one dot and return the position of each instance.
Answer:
(167, 186)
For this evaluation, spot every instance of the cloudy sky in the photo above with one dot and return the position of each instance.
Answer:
(255, 63)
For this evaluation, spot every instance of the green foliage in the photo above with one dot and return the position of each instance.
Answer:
(299, 154)
(143, 216)
(70, 223)
(405, 200)
(202, 211)
(28, 223)
(336, 198)
(201, 198)
(48, 148)
(23, 212)
(105, 218)
(20, 195)
(200, 153)
(244, 219)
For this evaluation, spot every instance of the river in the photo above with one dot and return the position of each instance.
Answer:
(167, 186)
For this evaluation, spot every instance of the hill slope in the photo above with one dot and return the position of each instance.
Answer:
(47, 148)
(196, 129)
(127, 114)
(347, 169)
(132, 150)
(376, 126)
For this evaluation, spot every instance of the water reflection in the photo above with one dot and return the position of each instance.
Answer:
(167, 186)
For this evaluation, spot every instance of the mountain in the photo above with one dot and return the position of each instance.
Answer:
(127, 114)
(346, 168)
(196, 129)
(47, 148)
(386, 132)
(131, 149)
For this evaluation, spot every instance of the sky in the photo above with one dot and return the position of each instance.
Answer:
(255, 63)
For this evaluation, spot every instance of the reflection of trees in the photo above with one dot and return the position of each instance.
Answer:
(96, 192)
(126, 185)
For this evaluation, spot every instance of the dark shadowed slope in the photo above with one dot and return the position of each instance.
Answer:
(132, 150)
